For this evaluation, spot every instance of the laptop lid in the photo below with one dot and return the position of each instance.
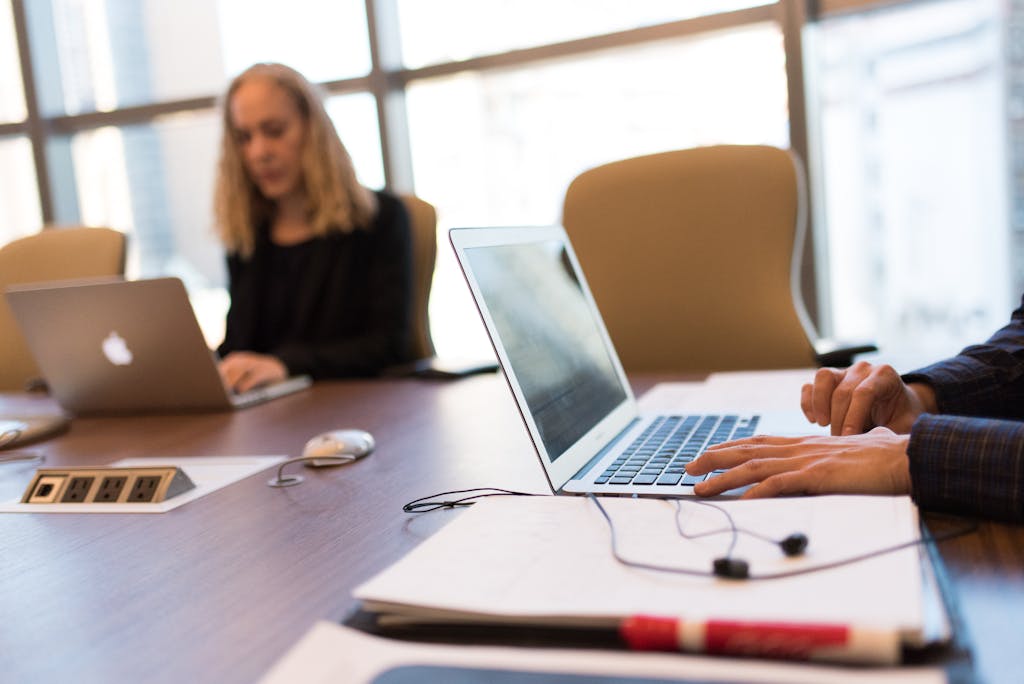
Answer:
(549, 338)
(119, 346)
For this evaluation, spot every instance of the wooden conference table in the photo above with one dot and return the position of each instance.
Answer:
(219, 589)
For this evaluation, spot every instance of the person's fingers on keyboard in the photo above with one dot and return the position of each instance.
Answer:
(261, 369)
(875, 462)
(845, 392)
(825, 382)
(731, 454)
(749, 472)
(806, 401)
(243, 371)
(232, 369)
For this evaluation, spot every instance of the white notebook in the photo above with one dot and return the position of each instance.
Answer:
(547, 560)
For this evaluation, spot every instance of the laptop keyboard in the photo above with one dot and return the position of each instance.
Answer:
(258, 395)
(658, 456)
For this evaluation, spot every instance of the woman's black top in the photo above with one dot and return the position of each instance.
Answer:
(333, 306)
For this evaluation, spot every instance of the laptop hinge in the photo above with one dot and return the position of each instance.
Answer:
(600, 454)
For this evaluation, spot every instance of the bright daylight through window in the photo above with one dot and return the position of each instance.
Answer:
(910, 110)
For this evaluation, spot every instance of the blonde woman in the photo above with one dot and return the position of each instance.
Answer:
(319, 266)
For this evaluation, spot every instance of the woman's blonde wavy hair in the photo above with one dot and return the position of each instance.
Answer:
(337, 202)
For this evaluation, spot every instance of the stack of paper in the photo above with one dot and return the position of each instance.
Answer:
(548, 560)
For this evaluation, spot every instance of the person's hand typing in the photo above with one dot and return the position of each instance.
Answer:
(864, 396)
(242, 371)
(871, 463)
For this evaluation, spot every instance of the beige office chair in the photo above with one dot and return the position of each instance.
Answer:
(52, 254)
(423, 221)
(692, 256)
(424, 363)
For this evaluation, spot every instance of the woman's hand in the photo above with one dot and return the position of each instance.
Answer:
(241, 371)
(871, 463)
(858, 398)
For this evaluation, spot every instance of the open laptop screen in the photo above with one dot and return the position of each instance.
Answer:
(550, 337)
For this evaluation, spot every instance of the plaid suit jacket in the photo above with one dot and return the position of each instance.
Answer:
(970, 459)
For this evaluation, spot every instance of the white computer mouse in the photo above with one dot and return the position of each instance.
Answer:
(338, 447)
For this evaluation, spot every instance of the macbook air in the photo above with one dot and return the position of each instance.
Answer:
(566, 378)
(117, 346)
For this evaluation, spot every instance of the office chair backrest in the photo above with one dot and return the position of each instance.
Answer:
(52, 254)
(690, 256)
(423, 222)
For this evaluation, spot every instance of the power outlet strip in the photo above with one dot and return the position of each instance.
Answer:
(150, 484)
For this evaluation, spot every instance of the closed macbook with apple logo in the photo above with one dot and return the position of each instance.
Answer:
(117, 346)
(116, 350)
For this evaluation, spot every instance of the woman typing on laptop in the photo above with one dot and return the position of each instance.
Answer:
(319, 266)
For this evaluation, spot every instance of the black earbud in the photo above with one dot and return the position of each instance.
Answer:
(737, 568)
(794, 544)
(730, 568)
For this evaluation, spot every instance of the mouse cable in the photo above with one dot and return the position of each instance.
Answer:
(281, 481)
(433, 502)
(965, 530)
(21, 457)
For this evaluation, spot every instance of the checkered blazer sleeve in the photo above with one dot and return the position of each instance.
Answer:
(984, 379)
(969, 466)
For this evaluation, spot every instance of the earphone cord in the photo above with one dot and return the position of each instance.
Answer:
(775, 575)
(710, 533)
(638, 564)
(430, 503)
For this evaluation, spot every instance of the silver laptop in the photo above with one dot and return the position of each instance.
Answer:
(567, 379)
(118, 346)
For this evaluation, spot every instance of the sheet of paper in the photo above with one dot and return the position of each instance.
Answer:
(773, 395)
(331, 653)
(752, 391)
(550, 557)
(208, 473)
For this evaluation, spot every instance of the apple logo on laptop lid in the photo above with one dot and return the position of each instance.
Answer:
(116, 349)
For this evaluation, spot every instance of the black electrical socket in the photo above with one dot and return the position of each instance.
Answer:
(110, 489)
(144, 488)
(78, 489)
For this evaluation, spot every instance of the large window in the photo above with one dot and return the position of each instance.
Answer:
(110, 54)
(451, 30)
(12, 96)
(501, 147)
(489, 108)
(19, 201)
(913, 178)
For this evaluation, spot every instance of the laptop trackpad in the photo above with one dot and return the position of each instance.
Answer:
(789, 424)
